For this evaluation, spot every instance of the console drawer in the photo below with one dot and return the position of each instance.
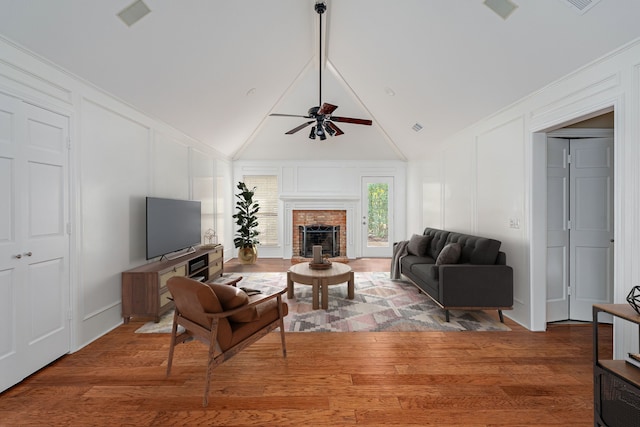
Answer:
(179, 271)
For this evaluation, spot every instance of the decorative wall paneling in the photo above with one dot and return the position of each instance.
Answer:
(118, 156)
(611, 83)
(327, 185)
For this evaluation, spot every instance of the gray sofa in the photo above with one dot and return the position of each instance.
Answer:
(478, 280)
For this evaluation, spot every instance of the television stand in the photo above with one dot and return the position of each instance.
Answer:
(144, 288)
(616, 382)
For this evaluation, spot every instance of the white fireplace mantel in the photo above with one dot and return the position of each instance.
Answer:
(319, 197)
(349, 204)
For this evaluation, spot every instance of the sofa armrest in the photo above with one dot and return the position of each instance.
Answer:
(470, 285)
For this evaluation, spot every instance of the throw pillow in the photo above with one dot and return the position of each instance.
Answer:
(231, 297)
(450, 254)
(418, 245)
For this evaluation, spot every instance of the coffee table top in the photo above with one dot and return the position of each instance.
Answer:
(336, 269)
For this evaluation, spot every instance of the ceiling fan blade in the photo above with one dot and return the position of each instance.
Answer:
(289, 115)
(302, 126)
(327, 108)
(352, 120)
(335, 128)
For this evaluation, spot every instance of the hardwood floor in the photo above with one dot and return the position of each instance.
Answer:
(516, 378)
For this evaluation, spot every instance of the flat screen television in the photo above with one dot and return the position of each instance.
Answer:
(172, 225)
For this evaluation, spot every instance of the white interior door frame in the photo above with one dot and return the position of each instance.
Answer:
(579, 226)
(538, 219)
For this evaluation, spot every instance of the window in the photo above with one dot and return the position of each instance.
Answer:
(266, 195)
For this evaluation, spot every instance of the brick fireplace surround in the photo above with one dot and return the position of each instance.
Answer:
(316, 204)
(319, 217)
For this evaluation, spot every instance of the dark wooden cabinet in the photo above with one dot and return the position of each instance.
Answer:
(616, 382)
(144, 288)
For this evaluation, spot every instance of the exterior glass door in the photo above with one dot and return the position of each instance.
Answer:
(377, 216)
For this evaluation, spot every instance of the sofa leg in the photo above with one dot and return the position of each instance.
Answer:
(501, 316)
(446, 315)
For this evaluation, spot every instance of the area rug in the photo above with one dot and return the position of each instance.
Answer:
(380, 304)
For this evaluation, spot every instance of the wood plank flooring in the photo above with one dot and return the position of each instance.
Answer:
(516, 378)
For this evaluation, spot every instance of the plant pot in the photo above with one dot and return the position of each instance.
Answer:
(248, 255)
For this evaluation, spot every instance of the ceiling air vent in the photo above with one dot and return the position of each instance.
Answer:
(503, 8)
(134, 12)
(580, 6)
(417, 127)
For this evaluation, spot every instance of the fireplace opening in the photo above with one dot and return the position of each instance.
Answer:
(327, 236)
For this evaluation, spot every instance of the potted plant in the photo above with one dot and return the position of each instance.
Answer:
(247, 221)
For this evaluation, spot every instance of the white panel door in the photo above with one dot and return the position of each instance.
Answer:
(12, 271)
(591, 205)
(377, 216)
(34, 245)
(557, 229)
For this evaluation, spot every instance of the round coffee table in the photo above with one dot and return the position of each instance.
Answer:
(320, 278)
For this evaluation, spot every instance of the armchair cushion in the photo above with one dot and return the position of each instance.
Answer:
(267, 313)
(231, 298)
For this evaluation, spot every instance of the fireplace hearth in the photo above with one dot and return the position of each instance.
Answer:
(327, 236)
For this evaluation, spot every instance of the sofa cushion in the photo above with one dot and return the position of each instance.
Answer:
(410, 261)
(476, 250)
(486, 251)
(418, 245)
(438, 241)
(450, 254)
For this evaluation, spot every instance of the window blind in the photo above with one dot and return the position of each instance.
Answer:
(266, 194)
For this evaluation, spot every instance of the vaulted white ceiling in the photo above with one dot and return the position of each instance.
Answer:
(216, 69)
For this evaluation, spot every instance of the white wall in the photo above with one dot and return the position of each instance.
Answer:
(118, 156)
(334, 184)
(492, 178)
(477, 181)
(424, 183)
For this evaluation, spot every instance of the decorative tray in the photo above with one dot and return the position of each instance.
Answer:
(320, 266)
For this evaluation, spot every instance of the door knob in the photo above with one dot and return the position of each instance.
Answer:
(28, 253)
(19, 256)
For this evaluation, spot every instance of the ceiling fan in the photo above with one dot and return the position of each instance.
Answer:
(321, 116)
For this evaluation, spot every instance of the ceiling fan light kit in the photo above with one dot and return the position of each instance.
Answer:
(322, 114)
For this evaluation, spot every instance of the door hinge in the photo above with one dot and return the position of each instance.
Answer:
(69, 228)
(568, 159)
(569, 225)
(69, 315)
(568, 290)
(68, 143)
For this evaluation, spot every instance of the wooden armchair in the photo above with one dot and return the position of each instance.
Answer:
(224, 318)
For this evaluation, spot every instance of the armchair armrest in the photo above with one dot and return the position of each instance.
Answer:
(253, 301)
